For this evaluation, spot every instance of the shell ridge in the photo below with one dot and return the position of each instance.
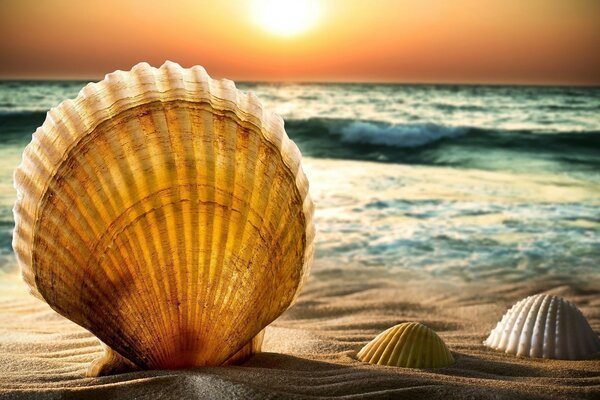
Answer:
(504, 327)
(207, 219)
(379, 357)
(149, 239)
(233, 237)
(188, 249)
(194, 221)
(131, 312)
(375, 345)
(232, 210)
(174, 224)
(243, 224)
(108, 237)
(423, 355)
(231, 234)
(561, 326)
(248, 227)
(178, 223)
(413, 358)
(44, 146)
(221, 230)
(266, 208)
(398, 342)
(407, 346)
(498, 332)
(309, 234)
(524, 343)
(34, 151)
(494, 338)
(133, 231)
(276, 241)
(206, 166)
(116, 199)
(537, 337)
(153, 240)
(134, 262)
(365, 352)
(517, 326)
(283, 237)
(550, 330)
(557, 330)
(212, 265)
(390, 346)
(381, 342)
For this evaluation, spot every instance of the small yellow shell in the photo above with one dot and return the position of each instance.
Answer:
(167, 213)
(409, 345)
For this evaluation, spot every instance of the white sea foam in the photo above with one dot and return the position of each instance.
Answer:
(397, 135)
(471, 224)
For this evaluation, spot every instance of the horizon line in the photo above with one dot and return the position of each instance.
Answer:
(343, 82)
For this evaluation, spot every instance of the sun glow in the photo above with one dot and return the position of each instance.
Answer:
(285, 17)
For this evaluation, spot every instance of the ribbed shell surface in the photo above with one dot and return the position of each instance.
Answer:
(409, 345)
(167, 213)
(545, 326)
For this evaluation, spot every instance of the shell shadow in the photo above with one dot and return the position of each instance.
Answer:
(510, 367)
(272, 375)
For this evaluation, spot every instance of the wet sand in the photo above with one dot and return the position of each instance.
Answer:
(310, 351)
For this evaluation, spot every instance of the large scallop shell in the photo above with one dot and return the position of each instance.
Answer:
(544, 326)
(167, 213)
(409, 345)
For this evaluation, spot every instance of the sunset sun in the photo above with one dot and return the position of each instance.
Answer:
(285, 17)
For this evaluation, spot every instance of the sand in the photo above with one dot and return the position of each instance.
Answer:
(310, 350)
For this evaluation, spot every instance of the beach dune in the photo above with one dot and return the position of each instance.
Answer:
(310, 350)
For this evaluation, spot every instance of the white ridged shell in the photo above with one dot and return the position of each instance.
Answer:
(545, 326)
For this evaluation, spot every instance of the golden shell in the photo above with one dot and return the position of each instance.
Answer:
(167, 213)
(408, 345)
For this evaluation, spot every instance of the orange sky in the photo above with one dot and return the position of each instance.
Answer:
(471, 41)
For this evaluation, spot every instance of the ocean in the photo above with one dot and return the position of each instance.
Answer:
(472, 182)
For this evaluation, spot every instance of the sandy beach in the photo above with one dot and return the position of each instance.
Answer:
(309, 352)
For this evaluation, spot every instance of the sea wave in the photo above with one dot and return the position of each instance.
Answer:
(395, 135)
(445, 145)
(419, 143)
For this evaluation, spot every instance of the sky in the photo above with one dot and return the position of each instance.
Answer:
(426, 41)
